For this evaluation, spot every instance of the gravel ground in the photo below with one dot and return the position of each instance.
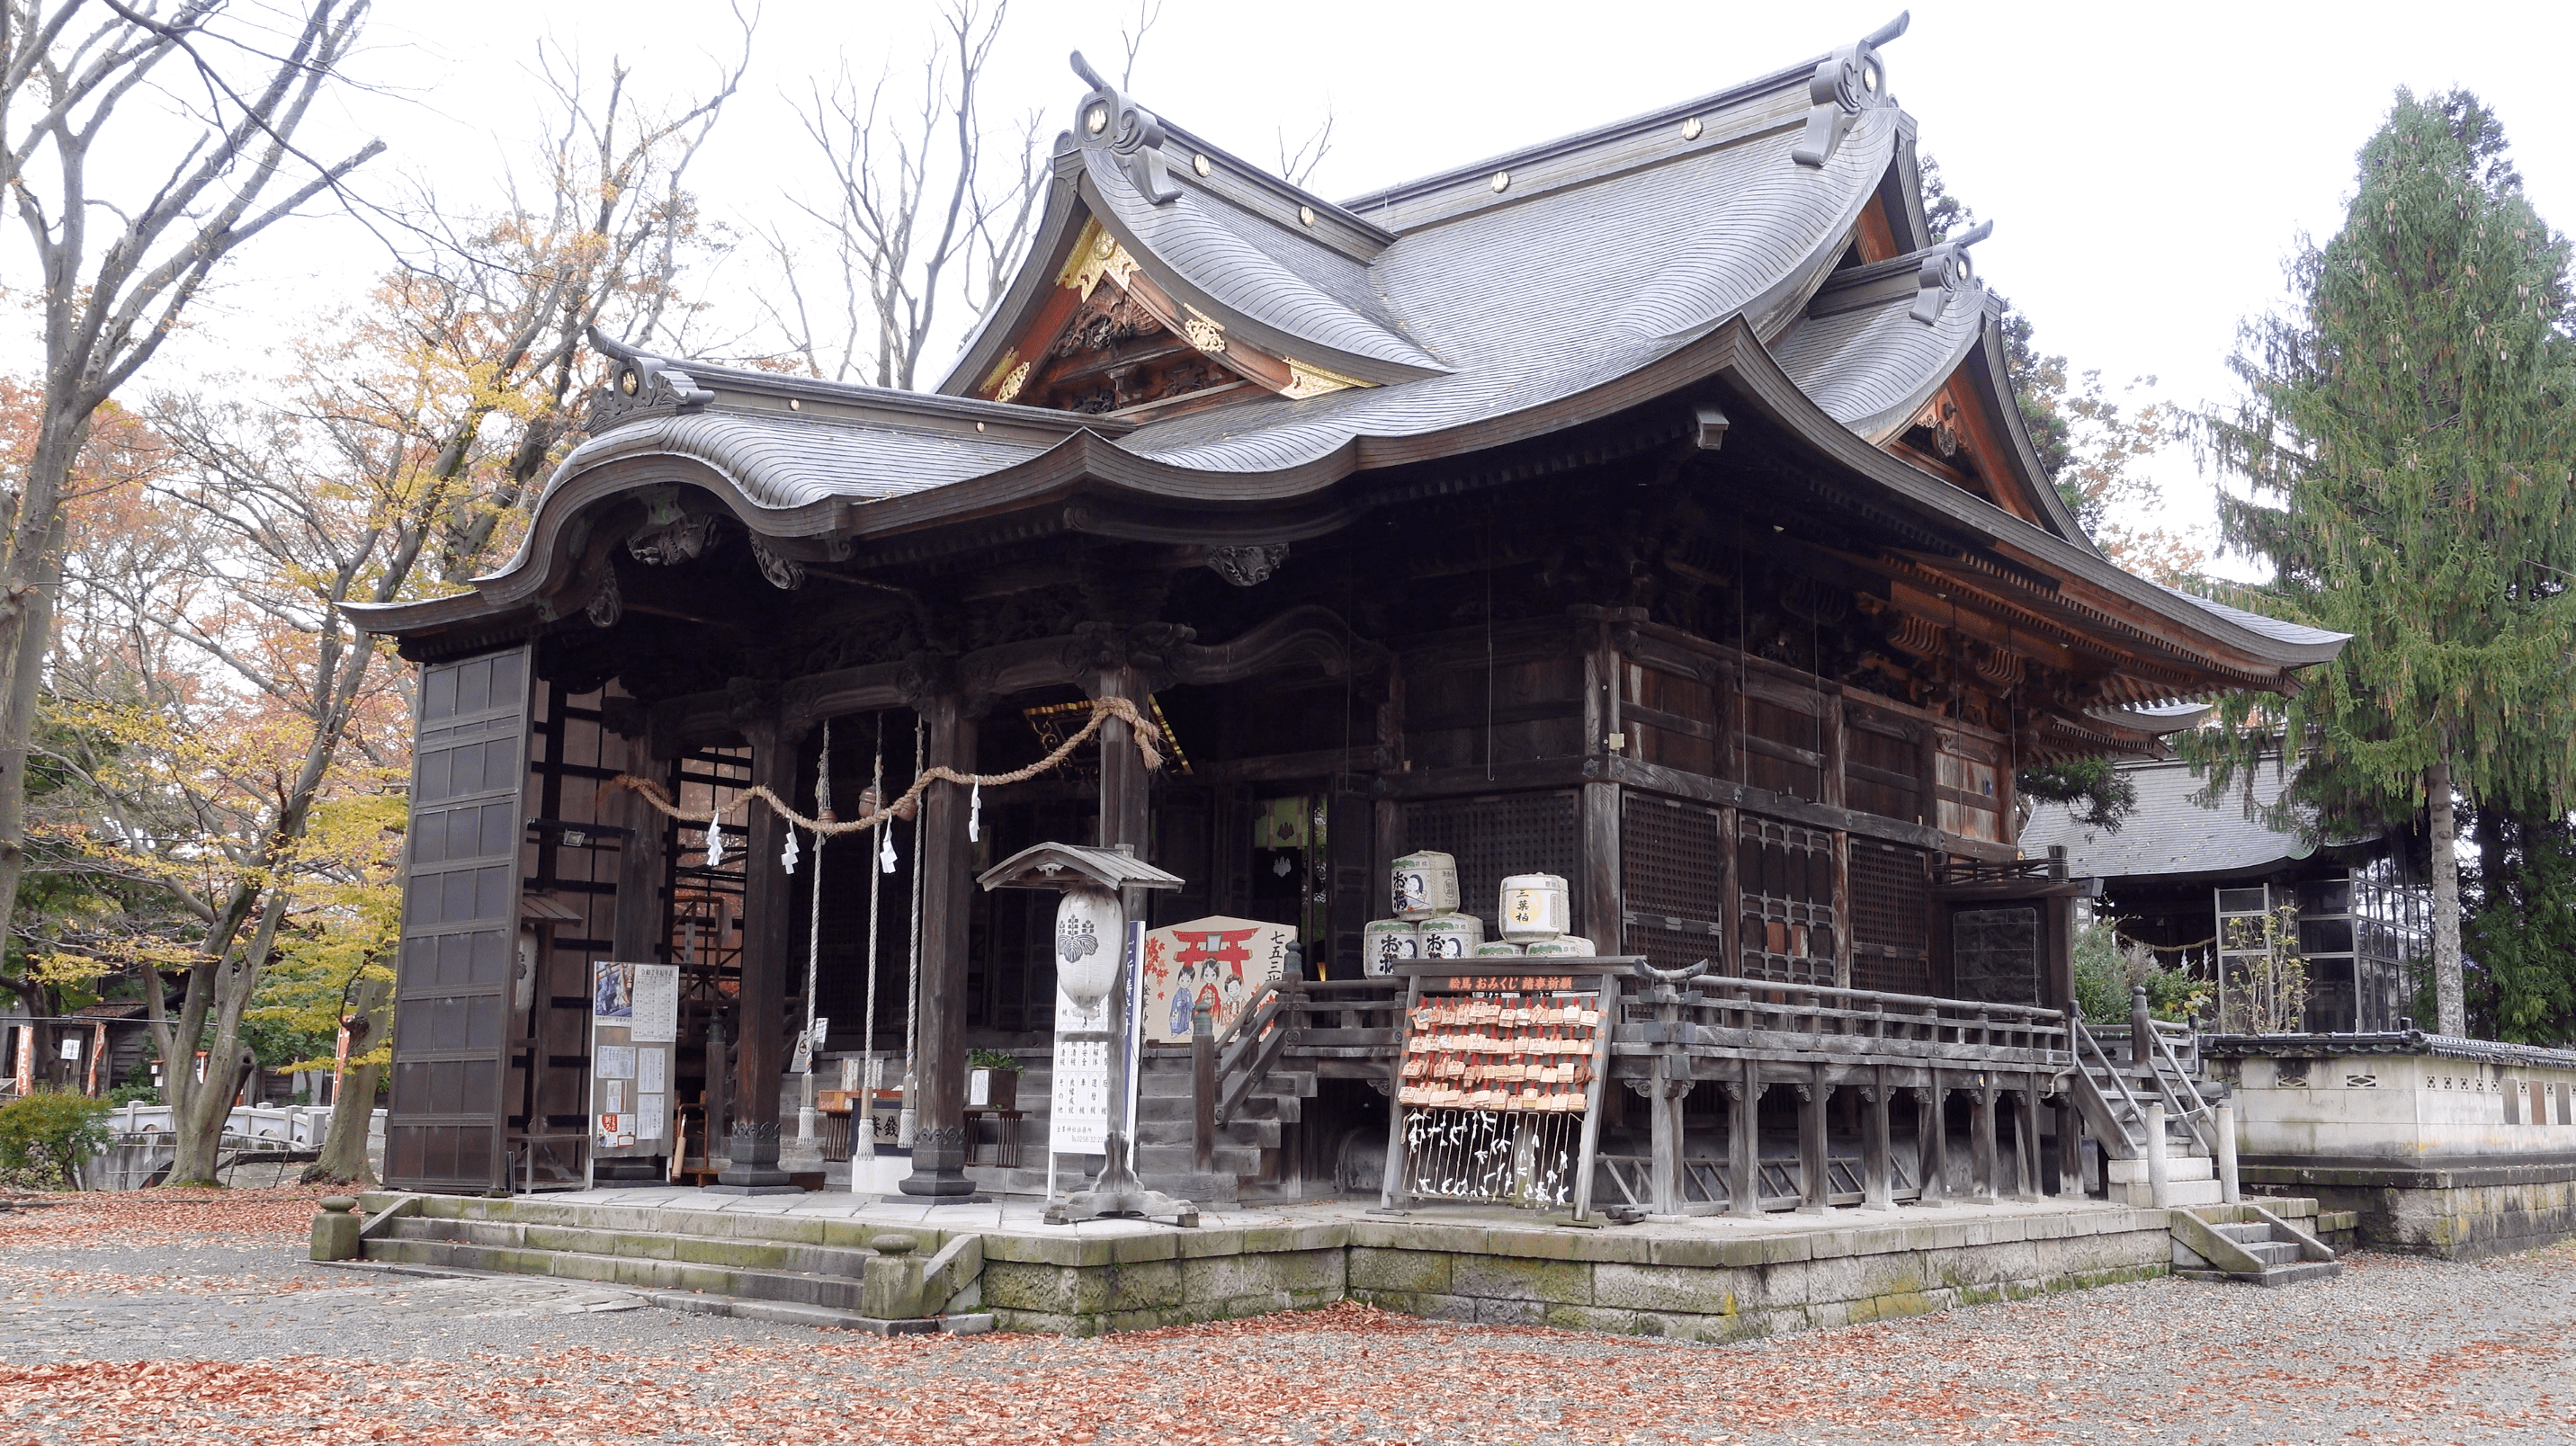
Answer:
(177, 1320)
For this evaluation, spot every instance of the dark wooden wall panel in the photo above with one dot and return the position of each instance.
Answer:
(453, 981)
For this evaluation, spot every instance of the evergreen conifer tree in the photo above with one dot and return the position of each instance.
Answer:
(2407, 432)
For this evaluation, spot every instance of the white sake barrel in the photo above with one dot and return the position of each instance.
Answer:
(1425, 883)
(1563, 946)
(1451, 936)
(1536, 906)
(1386, 943)
(1496, 950)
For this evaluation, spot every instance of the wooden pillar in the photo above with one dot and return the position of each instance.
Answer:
(2026, 1148)
(1598, 914)
(639, 933)
(1982, 1159)
(768, 940)
(1744, 1141)
(1814, 1181)
(2070, 1147)
(947, 864)
(1664, 1115)
(1842, 910)
(1125, 807)
(1932, 1140)
(1876, 1164)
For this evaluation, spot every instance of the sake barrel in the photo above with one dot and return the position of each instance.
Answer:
(1563, 946)
(1499, 949)
(1451, 936)
(1387, 943)
(1425, 883)
(1536, 906)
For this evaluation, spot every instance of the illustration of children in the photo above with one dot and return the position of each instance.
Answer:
(1183, 998)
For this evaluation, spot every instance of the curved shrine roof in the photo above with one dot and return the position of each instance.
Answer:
(1725, 239)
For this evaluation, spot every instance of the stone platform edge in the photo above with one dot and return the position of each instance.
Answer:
(1707, 1289)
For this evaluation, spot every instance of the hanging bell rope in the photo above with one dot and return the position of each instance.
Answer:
(1145, 734)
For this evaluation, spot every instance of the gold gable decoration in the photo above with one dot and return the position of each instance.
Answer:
(1095, 255)
(1313, 381)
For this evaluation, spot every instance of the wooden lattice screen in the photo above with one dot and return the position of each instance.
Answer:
(1891, 888)
(1672, 873)
(1786, 901)
(1494, 837)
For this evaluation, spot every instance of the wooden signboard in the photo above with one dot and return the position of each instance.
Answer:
(1498, 1084)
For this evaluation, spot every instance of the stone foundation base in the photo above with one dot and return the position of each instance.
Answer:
(1699, 1289)
(2457, 1213)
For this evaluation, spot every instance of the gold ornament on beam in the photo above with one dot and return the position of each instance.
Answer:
(1011, 384)
(1309, 381)
(1203, 331)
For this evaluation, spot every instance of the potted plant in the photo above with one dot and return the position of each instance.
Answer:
(992, 1080)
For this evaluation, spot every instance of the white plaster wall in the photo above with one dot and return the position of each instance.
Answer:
(2401, 1108)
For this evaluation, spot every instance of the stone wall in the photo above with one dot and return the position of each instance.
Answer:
(2441, 1146)
(1690, 1287)
(2460, 1213)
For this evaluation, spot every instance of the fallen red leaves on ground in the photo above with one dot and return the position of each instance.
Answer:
(159, 1217)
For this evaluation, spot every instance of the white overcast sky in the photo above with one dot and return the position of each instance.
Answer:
(2147, 167)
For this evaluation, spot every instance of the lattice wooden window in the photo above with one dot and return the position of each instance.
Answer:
(1891, 939)
(1785, 920)
(1495, 836)
(1672, 874)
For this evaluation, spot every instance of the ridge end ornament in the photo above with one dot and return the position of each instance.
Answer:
(1846, 83)
(1132, 134)
(1947, 272)
(640, 381)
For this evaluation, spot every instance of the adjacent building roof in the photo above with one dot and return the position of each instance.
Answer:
(2172, 836)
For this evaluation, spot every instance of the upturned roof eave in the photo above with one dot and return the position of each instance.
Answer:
(1770, 387)
(1086, 460)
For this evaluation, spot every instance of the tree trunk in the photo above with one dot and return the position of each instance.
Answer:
(2449, 995)
(33, 636)
(344, 1149)
(197, 1118)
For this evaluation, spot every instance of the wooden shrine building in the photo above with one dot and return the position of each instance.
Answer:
(1647, 507)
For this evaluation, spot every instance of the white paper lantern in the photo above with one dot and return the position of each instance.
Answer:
(1089, 930)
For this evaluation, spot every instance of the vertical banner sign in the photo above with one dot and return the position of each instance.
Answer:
(1131, 965)
(1078, 1104)
(23, 1070)
(1498, 1078)
(634, 1024)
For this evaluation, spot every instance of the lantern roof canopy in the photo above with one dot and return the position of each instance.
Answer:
(1073, 866)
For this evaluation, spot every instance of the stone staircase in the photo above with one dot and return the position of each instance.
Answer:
(792, 1269)
(2251, 1244)
(2114, 1091)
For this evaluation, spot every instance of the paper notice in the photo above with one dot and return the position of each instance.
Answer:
(657, 1004)
(652, 1071)
(649, 1110)
(612, 1096)
(615, 1061)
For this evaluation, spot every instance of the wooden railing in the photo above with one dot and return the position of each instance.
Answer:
(1733, 1018)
